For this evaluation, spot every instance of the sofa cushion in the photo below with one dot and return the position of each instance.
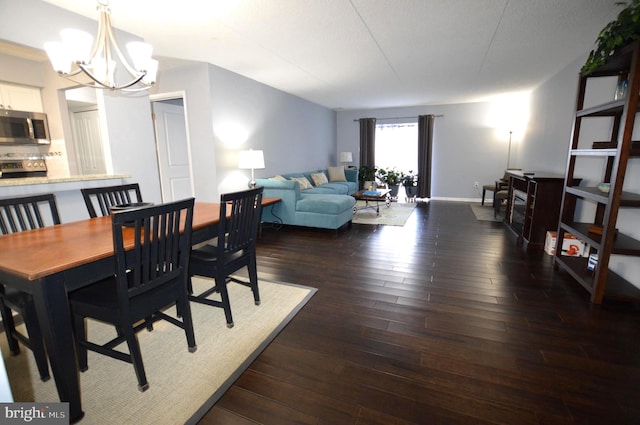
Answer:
(278, 177)
(304, 183)
(323, 189)
(340, 188)
(325, 204)
(336, 174)
(319, 179)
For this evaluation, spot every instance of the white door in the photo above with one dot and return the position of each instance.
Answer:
(173, 150)
(87, 142)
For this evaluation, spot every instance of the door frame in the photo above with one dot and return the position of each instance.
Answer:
(159, 97)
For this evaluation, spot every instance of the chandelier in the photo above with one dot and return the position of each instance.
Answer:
(76, 53)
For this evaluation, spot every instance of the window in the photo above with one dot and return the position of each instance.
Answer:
(397, 146)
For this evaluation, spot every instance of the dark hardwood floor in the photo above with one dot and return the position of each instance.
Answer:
(442, 321)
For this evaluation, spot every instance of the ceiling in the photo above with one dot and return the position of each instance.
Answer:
(365, 54)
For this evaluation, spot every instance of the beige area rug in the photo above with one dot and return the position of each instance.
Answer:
(396, 214)
(182, 386)
(485, 212)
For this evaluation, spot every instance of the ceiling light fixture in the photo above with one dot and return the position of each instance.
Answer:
(98, 62)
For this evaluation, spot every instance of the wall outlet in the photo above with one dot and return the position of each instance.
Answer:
(476, 185)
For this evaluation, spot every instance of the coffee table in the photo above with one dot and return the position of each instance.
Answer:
(374, 199)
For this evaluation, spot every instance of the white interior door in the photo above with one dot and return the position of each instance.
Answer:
(87, 142)
(173, 150)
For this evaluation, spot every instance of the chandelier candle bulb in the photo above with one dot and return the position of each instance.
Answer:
(78, 44)
(140, 54)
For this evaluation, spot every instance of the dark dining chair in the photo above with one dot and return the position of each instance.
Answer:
(235, 249)
(106, 197)
(18, 215)
(150, 276)
(494, 187)
(499, 198)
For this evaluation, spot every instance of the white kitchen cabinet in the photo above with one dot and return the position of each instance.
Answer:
(20, 98)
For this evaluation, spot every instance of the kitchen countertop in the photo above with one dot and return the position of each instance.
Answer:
(24, 181)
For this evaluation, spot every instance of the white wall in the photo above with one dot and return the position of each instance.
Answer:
(548, 137)
(295, 135)
(194, 82)
(132, 141)
(228, 113)
(466, 148)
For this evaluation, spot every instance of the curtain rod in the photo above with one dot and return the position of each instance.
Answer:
(399, 118)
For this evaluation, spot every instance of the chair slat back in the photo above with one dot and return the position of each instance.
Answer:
(26, 213)
(162, 245)
(241, 228)
(106, 197)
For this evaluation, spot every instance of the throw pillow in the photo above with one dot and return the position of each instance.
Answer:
(336, 174)
(278, 177)
(319, 179)
(303, 182)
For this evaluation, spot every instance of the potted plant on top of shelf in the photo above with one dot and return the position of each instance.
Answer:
(410, 183)
(625, 29)
(392, 178)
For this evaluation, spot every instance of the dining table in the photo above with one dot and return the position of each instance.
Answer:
(52, 261)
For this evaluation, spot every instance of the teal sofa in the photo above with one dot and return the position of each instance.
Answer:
(327, 206)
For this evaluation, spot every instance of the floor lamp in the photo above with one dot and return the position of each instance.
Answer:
(251, 160)
(509, 151)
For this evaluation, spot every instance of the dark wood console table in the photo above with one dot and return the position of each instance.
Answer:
(533, 206)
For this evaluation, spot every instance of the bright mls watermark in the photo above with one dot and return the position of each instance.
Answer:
(34, 413)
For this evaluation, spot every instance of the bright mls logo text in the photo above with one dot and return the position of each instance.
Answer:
(36, 412)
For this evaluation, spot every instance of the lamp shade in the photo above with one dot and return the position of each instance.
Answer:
(346, 157)
(251, 160)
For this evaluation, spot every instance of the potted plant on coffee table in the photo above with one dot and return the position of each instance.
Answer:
(367, 176)
(410, 183)
(391, 177)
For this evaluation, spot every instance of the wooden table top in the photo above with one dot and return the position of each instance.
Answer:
(33, 254)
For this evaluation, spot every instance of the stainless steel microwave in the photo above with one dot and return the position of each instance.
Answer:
(22, 127)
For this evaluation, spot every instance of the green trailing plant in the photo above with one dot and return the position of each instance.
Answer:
(625, 29)
(390, 177)
(367, 173)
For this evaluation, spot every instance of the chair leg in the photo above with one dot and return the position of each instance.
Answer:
(9, 329)
(136, 358)
(484, 191)
(221, 284)
(149, 321)
(253, 279)
(189, 290)
(37, 343)
(187, 322)
(80, 331)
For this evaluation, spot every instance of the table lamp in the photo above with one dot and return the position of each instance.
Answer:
(346, 157)
(251, 160)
